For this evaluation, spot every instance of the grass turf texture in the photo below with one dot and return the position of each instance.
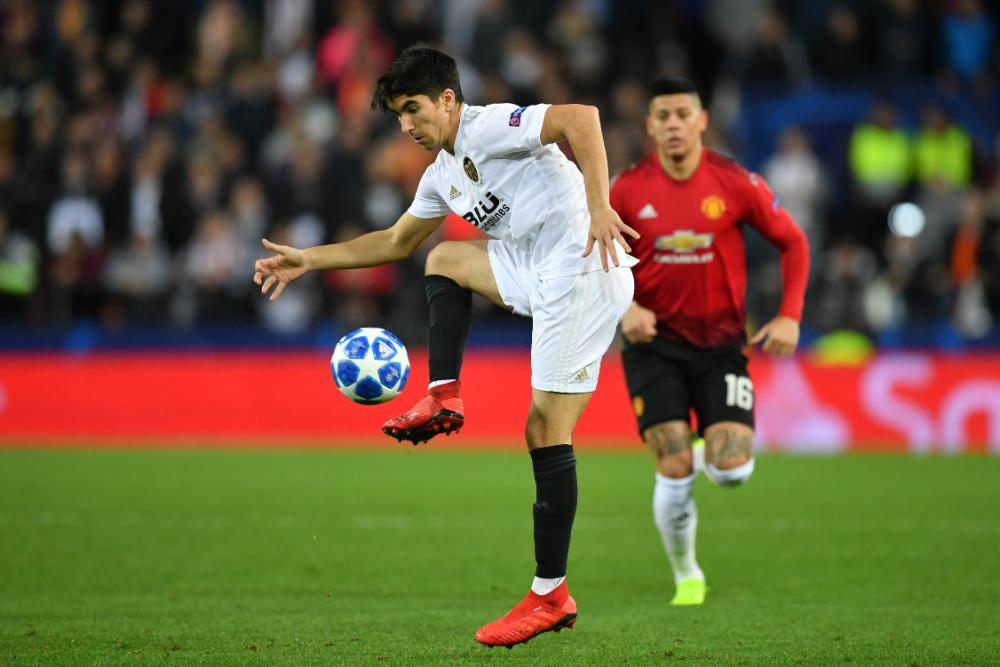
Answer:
(396, 557)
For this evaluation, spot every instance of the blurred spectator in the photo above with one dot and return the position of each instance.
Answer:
(138, 276)
(111, 188)
(214, 272)
(38, 174)
(8, 185)
(19, 272)
(969, 37)
(75, 216)
(841, 281)
(729, 20)
(172, 135)
(942, 207)
(908, 38)
(918, 284)
(880, 159)
(352, 54)
(841, 55)
(250, 213)
(880, 155)
(75, 279)
(988, 247)
(483, 36)
(411, 21)
(778, 57)
(942, 149)
(147, 192)
(575, 30)
(221, 33)
(250, 111)
(286, 25)
(971, 314)
(797, 179)
(188, 196)
(521, 63)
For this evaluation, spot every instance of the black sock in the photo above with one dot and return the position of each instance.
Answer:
(554, 509)
(450, 312)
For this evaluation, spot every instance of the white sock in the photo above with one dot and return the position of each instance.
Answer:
(542, 586)
(438, 383)
(676, 517)
(698, 457)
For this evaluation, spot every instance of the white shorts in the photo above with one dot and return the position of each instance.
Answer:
(574, 317)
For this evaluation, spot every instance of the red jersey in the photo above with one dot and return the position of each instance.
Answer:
(692, 259)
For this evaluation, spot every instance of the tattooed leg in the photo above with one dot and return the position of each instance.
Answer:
(729, 453)
(670, 443)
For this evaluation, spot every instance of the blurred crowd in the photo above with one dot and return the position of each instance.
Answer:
(147, 145)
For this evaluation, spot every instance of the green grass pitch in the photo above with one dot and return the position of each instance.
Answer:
(397, 556)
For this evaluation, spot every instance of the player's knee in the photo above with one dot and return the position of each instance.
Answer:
(734, 476)
(671, 444)
(729, 452)
(677, 466)
(536, 430)
(442, 260)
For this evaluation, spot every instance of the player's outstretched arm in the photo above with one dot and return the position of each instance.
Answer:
(580, 125)
(379, 247)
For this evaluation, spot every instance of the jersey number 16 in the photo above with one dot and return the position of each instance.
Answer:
(739, 391)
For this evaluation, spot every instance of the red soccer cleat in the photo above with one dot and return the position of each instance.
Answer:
(531, 617)
(441, 411)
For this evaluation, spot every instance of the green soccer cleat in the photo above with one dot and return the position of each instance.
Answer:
(690, 591)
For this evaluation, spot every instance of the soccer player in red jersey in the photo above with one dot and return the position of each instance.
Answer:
(685, 329)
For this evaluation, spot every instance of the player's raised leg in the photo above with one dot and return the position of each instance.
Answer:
(674, 509)
(453, 271)
(729, 453)
(548, 606)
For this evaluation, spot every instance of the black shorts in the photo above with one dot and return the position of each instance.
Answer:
(667, 379)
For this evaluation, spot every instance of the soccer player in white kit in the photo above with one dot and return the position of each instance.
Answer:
(499, 168)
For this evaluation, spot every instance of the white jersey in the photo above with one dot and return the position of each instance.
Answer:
(505, 182)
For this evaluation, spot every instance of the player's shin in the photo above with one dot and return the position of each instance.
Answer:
(554, 510)
(676, 517)
(450, 313)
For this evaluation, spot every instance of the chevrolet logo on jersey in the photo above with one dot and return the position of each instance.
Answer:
(683, 241)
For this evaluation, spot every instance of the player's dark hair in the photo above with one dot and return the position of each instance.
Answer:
(419, 70)
(673, 86)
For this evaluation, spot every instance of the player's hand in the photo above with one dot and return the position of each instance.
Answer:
(283, 267)
(639, 324)
(605, 228)
(780, 336)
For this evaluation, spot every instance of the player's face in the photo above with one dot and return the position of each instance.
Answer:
(675, 122)
(425, 121)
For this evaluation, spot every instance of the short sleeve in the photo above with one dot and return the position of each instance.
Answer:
(427, 203)
(507, 129)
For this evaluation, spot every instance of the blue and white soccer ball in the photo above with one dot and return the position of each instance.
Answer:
(370, 365)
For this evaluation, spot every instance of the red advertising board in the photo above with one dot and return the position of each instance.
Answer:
(903, 402)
